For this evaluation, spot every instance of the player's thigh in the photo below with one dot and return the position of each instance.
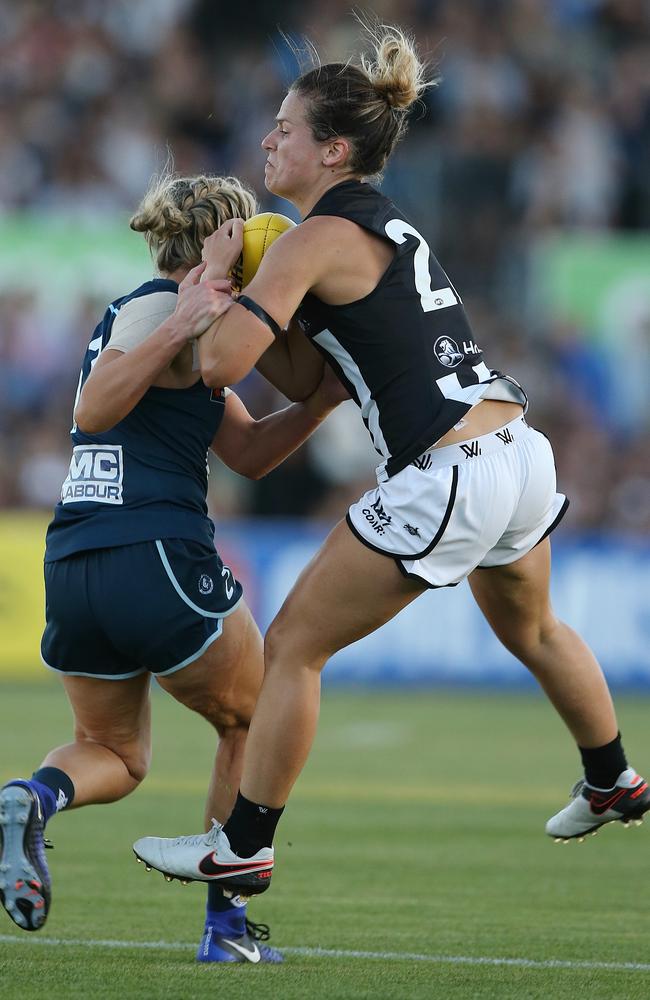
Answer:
(116, 714)
(346, 592)
(224, 682)
(515, 598)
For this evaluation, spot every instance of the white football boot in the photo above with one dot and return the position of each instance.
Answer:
(207, 857)
(590, 808)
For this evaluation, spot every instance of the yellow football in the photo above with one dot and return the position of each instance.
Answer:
(260, 232)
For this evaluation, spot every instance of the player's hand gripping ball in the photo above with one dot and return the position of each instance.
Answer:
(260, 232)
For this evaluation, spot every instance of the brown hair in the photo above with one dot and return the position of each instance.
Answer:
(178, 213)
(366, 104)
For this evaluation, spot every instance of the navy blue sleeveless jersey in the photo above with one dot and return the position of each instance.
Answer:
(146, 478)
(405, 352)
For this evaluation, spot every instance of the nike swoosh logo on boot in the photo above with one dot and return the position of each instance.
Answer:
(250, 954)
(600, 805)
(210, 866)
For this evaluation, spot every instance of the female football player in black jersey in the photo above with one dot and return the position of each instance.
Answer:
(134, 585)
(465, 487)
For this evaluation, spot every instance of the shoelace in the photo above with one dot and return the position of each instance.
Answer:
(259, 932)
(577, 788)
(201, 838)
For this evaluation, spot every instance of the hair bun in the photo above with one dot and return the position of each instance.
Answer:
(178, 213)
(396, 72)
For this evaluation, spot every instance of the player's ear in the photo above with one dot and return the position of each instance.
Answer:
(336, 152)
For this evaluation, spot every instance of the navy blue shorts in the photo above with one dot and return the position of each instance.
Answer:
(117, 612)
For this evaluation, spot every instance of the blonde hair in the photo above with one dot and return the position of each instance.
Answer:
(366, 104)
(396, 72)
(177, 214)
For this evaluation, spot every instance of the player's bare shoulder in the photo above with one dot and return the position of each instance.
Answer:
(322, 235)
(301, 255)
(352, 258)
(330, 231)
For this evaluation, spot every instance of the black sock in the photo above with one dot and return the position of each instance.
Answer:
(217, 902)
(603, 764)
(251, 826)
(60, 783)
(55, 790)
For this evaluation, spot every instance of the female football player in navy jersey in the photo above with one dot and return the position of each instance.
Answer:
(134, 585)
(465, 487)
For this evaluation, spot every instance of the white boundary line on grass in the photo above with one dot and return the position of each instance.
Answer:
(386, 956)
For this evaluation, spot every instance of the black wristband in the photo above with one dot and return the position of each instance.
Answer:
(262, 314)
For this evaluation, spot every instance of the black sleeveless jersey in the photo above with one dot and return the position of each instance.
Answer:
(405, 352)
(145, 478)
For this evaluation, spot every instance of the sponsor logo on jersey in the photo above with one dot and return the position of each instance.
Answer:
(447, 352)
(469, 347)
(95, 474)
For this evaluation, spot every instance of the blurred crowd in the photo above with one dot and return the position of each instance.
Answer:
(540, 126)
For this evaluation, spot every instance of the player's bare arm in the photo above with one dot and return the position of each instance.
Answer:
(315, 256)
(291, 364)
(119, 380)
(255, 447)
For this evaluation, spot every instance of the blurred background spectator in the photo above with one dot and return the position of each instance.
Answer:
(528, 170)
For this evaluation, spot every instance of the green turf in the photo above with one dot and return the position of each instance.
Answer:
(416, 828)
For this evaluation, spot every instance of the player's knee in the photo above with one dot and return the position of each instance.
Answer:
(137, 761)
(525, 640)
(280, 641)
(135, 753)
(225, 710)
(274, 643)
(289, 641)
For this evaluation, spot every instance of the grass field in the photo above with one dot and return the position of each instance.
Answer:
(412, 863)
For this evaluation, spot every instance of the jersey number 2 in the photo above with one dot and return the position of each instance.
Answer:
(439, 298)
(431, 298)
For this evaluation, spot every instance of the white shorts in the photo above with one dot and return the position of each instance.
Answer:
(485, 502)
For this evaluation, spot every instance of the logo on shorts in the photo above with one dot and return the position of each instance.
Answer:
(95, 474)
(472, 450)
(505, 436)
(378, 508)
(411, 530)
(379, 518)
(423, 462)
(447, 352)
(206, 584)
